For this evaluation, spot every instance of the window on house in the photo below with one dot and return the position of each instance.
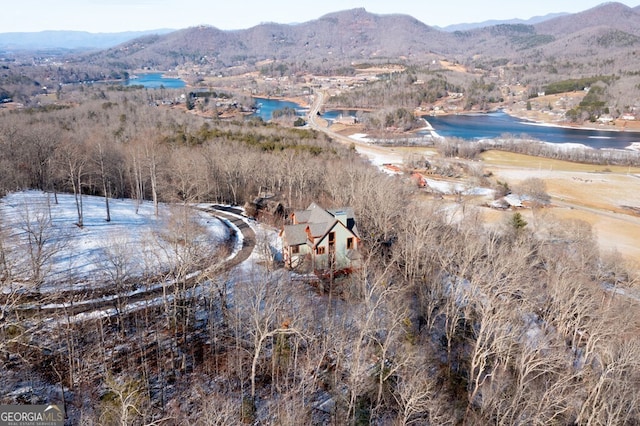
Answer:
(320, 250)
(295, 249)
(350, 243)
(332, 237)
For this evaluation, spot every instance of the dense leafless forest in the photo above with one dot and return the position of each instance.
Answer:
(449, 321)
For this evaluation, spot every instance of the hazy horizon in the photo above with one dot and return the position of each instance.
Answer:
(112, 16)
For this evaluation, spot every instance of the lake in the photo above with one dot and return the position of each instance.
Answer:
(486, 126)
(497, 124)
(334, 114)
(155, 81)
(267, 106)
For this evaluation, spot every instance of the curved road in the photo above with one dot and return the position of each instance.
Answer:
(248, 236)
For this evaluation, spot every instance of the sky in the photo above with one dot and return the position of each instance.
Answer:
(140, 15)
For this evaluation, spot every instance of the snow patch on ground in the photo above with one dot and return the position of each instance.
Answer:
(78, 254)
(634, 146)
(568, 146)
(451, 188)
(360, 137)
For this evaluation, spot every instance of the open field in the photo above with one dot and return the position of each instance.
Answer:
(606, 197)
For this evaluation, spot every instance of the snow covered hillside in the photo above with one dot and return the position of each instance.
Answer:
(44, 246)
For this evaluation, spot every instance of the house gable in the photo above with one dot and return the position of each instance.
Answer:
(338, 227)
(330, 238)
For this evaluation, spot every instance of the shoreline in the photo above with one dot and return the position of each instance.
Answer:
(534, 122)
(304, 102)
(299, 100)
(537, 122)
(632, 147)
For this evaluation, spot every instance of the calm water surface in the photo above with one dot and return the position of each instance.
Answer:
(487, 126)
(155, 81)
(497, 124)
(267, 106)
(334, 114)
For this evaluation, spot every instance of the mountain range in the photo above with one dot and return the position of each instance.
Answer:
(73, 40)
(601, 41)
(609, 34)
(492, 22)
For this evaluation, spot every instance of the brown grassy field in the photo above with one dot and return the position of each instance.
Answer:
(606, 197)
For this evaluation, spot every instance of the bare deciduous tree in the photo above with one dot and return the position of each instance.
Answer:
(40, 242)
(72, 154)
(124, 403)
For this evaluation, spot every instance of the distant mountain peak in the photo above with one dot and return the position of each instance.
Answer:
(354, 11)
(606, 14)
(490, 23)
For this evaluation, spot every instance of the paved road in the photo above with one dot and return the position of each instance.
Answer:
(377, 154)
(234, 215)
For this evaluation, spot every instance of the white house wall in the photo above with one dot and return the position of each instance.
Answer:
(341, 260)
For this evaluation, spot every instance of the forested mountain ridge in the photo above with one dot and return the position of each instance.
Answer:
(337, 37)
(492, 22)
(357, 35)
(612, 15)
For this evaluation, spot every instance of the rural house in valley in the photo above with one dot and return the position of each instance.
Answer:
(321, 239)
